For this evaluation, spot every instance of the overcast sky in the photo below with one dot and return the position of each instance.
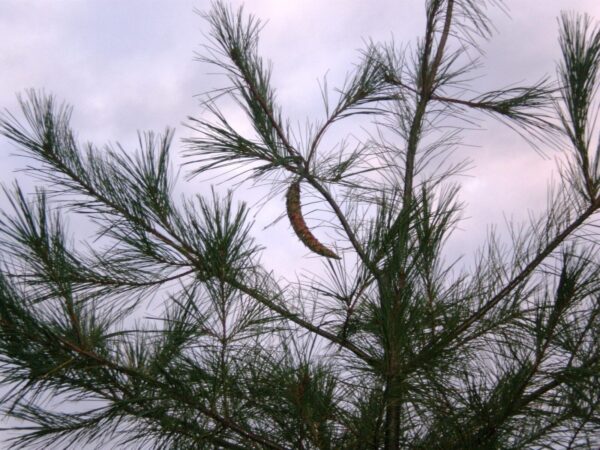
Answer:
(128, 65)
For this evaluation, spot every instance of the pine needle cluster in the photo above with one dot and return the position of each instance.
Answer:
(389, 347)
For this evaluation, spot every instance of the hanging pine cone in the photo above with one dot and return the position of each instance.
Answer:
(294, 213)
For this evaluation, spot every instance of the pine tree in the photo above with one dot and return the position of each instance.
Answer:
(389, 345)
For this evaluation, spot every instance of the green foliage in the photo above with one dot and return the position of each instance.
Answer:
(391, 346)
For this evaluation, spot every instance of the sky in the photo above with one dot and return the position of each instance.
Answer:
(130, 65)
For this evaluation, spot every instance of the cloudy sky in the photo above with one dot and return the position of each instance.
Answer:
(129, 65)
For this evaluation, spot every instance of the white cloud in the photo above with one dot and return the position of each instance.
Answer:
(129, 65)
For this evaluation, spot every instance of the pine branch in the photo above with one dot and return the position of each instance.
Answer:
(271, 304)
(518, 279)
